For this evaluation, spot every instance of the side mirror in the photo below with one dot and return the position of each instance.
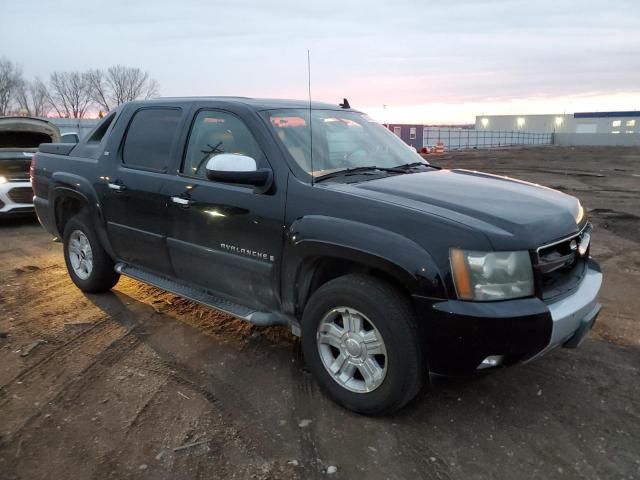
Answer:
(237, 168)
(69, 138)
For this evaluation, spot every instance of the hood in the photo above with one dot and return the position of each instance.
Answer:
(512, 213)
(26, 133)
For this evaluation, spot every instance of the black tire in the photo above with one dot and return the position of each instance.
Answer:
(392, 315)
(102, 276)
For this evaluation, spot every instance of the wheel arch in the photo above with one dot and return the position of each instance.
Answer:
(70, 194)
(319, 249)
(66, 204)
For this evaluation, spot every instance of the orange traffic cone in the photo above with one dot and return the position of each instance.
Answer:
(439, 149)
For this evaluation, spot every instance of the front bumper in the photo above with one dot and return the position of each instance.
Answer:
(461, 335)
(574, 315)
(12, 198)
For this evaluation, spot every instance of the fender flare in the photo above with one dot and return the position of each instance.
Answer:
(320, 237)
(70, 185)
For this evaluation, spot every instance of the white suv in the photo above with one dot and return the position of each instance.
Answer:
(19, 140)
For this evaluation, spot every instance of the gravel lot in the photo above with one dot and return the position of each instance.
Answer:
(139, 383)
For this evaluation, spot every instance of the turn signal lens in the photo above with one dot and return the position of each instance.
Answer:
(461, 274)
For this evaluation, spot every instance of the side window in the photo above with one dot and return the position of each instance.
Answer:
(101, 129)
(149, 138)
(213, 133)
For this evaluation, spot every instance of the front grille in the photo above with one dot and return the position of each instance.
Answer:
(559, 267)
(21, 195)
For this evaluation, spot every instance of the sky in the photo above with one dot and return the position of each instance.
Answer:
(411, 61)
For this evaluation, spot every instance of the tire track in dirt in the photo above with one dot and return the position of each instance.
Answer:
(50, 378)
(574, 383)
(230, 397)
(45, 303)
(181, 376)
(303, 408)
(428, 462)
(234, 405)
(161, 421)
(230, 401)
(158, 331)
(93, 330)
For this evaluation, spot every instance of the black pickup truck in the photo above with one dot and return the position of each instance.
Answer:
(316, 217)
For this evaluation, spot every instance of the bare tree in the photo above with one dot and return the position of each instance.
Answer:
(22, 97)
(39, 98)
(70, 93)
(33, 98)
(119, 84)
(100, 92)
(10, 81)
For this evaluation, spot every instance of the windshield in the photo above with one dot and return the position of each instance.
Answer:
(341, 140)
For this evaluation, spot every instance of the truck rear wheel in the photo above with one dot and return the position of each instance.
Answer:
(361, 341)
(88, 264)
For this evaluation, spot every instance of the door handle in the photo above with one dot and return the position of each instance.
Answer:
(181, 201)
(116, 186)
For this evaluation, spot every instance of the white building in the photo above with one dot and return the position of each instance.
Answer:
(81, 126)
(585, 122)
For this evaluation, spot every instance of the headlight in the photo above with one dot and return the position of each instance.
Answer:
(579, 214)
(491, 275)
(3, 179)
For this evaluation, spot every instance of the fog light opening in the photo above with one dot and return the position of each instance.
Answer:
(491, 361)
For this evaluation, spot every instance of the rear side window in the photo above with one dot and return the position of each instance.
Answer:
(149, 138)
(101, 129)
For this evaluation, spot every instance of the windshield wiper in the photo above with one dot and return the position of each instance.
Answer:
(356, 170)
(346, 172)
(407, 166)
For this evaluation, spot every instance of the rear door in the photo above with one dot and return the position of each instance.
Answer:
(134, 208)
(222, 237)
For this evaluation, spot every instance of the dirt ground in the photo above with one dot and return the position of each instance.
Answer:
(138, 383)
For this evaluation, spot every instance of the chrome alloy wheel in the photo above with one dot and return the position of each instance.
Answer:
(80, 254)
(352, 350)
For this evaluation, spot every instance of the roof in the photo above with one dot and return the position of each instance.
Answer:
(257, 103)
(606, 114)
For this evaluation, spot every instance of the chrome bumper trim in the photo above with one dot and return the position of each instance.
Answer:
(568, 313)
(574, 315)
(10, 204)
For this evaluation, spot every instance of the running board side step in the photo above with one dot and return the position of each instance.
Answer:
(240, 311)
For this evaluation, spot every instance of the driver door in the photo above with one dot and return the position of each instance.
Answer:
(223, 237)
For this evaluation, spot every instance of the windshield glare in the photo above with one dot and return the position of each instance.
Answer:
(340, 140)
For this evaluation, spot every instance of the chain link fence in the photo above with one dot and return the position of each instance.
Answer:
(463, 138)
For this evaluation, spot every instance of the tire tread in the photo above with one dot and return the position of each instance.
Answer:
(103, 276)
(397, 305)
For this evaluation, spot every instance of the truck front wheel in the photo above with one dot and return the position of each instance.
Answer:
(361, 341)
(88, 264)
